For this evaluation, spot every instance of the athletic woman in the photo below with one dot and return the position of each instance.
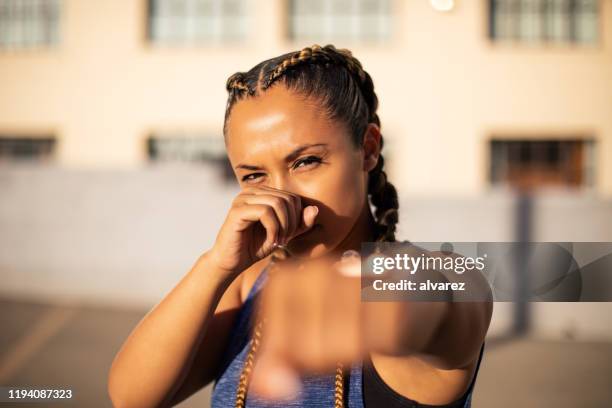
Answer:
(304, 139)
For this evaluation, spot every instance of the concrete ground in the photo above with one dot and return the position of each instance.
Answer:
(72, 347)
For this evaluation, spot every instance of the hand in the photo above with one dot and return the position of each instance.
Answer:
(313, 319)
(259, 217)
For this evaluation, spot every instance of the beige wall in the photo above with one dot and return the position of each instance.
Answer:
(444, 88)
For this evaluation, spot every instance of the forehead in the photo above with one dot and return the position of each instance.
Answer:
(279, 120)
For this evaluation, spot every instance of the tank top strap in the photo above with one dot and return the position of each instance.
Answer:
(470, 390)
(244, 322)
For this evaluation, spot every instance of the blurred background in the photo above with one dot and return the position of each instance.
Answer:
(497, 118)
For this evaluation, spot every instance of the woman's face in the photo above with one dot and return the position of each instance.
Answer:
(282, 140)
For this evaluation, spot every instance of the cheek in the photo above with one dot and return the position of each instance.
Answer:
(348, 193)
(341, 190)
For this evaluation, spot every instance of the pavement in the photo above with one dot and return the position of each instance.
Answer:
(55, 345)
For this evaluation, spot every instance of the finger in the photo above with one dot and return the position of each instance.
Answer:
(307, 220)
(298, 318)
(330, 318)
(312, 318)
(273, 379)
(250, 213)
(280, 206)
(274, 376)
(342, 333)
(294, 204)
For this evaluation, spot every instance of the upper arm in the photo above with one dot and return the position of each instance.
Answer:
(462, 331)
(455, 339)
(446, 367)
(460, 336)
(208, 355)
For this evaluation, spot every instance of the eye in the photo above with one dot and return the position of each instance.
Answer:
(307, 162)
(251, 177)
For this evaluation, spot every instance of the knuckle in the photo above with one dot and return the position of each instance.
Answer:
(268, 212)
(278, 202)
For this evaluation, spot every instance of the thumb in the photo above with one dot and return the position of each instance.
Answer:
(309, 214)
(273, 380)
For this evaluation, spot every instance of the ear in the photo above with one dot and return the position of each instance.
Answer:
(371, 146)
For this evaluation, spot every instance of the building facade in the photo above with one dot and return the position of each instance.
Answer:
(485, 94)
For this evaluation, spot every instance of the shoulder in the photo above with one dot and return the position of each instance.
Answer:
(442, 372)
(250, 275)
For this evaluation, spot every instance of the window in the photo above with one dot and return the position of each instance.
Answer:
(191, 149)
(26, 149)
(29, 23)
(193, 22)
(545, 162)
(340, 20)
(539, 21)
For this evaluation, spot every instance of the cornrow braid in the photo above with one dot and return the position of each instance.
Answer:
(236, 83)
(317, 54)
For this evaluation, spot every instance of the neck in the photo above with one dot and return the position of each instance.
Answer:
(363, 231)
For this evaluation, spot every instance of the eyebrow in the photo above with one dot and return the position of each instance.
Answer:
(291, 156)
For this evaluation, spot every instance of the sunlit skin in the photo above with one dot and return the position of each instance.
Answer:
(289, 156)
(303, 183)
(286, 143)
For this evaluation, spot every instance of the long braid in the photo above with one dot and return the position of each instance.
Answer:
(384, 197)
(383, 194)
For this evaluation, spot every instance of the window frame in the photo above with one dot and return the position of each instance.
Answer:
(390, 44)
(590, 137)
(52, 45)
(542, 45)
(221, 44)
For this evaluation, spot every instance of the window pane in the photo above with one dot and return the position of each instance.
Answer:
(190, 149)
(24, 148)
(539, 163)
(586, 21)
(197, 21)
(536, 21)
(29, 23)
(354, 20)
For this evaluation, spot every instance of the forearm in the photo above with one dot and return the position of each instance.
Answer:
(155, 354)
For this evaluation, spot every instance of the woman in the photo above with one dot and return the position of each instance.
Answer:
(303, 137)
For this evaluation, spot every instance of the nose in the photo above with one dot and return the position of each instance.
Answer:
(286, 183)
(283, 182)
(279, 181)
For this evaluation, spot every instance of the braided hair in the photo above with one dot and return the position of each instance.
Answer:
(346, 91)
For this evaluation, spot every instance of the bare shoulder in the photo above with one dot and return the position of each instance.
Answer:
(442, 372)
(250, 275)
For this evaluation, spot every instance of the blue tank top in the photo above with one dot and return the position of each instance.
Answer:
(317, 391)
